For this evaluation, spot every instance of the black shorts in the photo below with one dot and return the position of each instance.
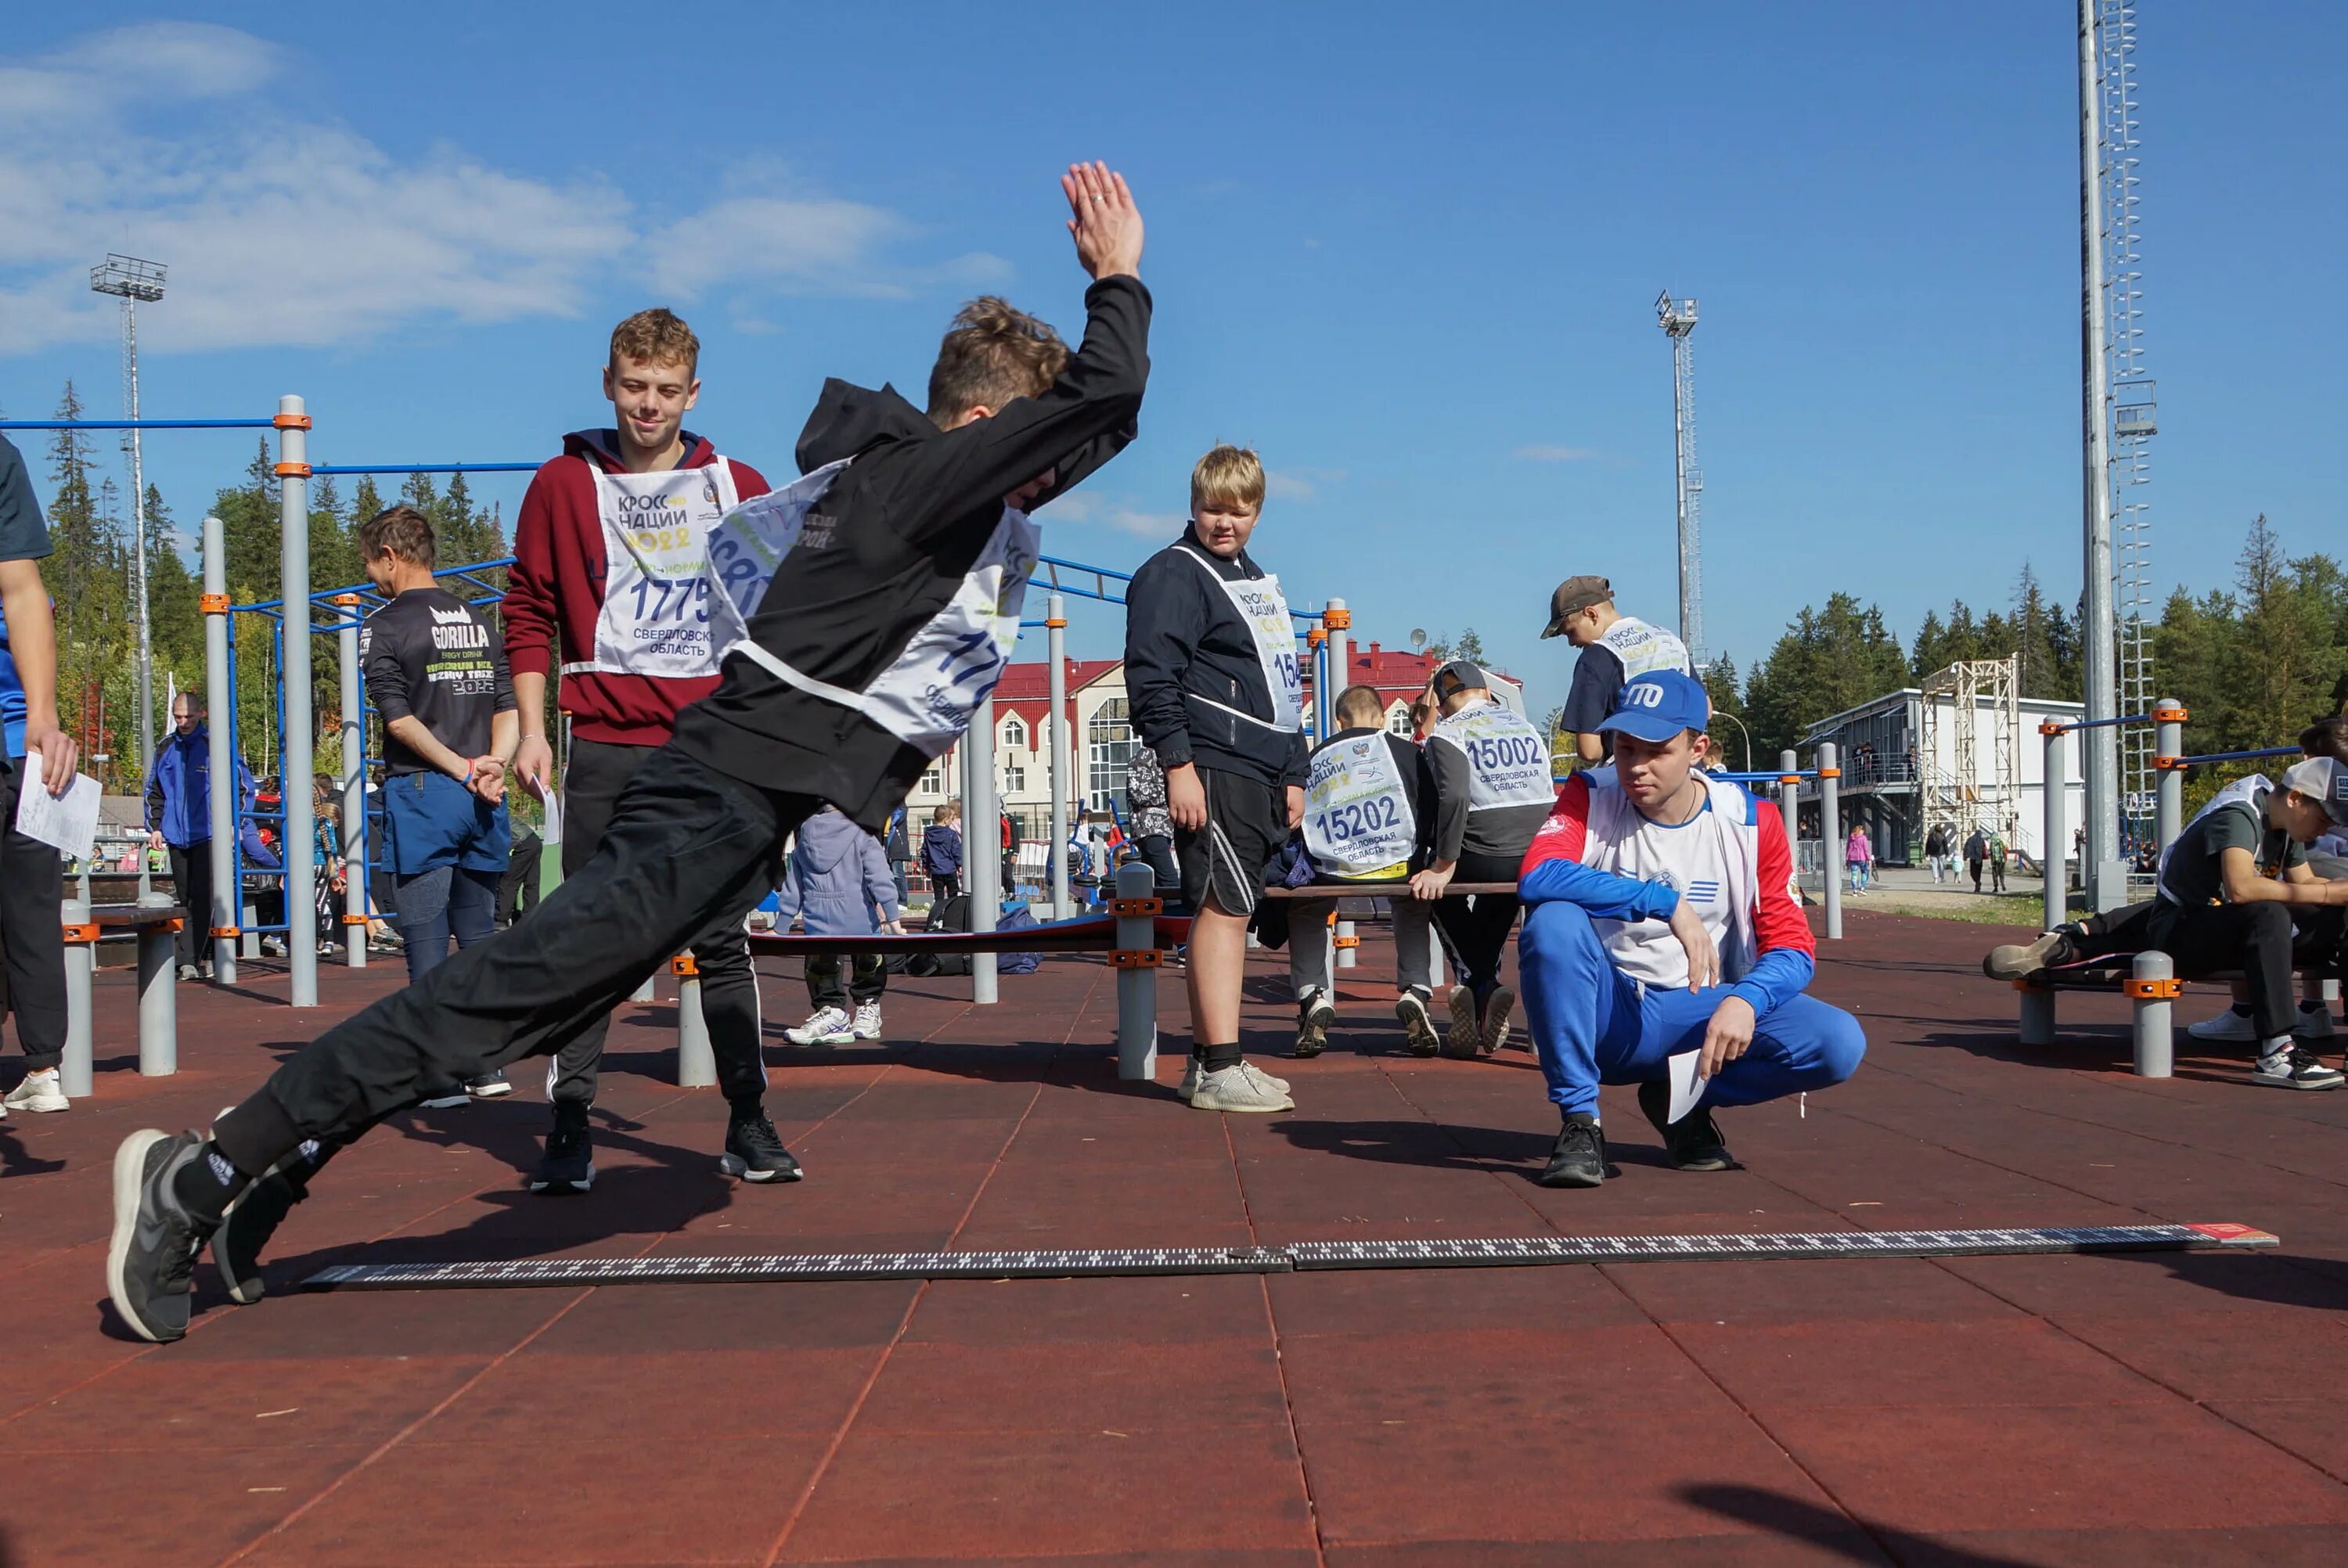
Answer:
(1247, 823)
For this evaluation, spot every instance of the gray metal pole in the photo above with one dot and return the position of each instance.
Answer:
(76, 1074)
(220, 921)
(354, 783)
(1056, 641)
(1337, 673)
(2156, 1040)
(2105, 876)
(2168, 794)
(138, 548)
(982, 843)
(2056, 781)
(696, 1059)
(159, 1003)
(298, 761)
(1830, 834)
(1137, 988)
(1790, 805)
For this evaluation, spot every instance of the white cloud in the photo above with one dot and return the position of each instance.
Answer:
(282, 232)
(1109, 512)
(1299, 483)
(1558, 454)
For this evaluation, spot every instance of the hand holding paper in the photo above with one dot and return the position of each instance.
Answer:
(67, 821)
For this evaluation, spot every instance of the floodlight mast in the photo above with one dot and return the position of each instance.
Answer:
(131, 279)
(1677, 318)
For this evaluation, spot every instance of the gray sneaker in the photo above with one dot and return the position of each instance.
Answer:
(151, 1263)
(2314, 1025)
(1465, 1038)
(1418, 1026)
(1241, 1088)
(1499, 1009)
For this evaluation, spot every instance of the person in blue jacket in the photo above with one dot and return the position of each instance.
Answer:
(838, 882)
(942, 854)
(179, 820)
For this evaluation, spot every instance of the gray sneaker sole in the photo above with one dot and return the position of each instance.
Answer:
(1498, 1014)
(130, 1186)
(2304, 1085)
(1464, 1039)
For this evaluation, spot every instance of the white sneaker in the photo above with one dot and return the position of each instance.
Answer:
(866, 1025)
(39, 1091)
(1240, 1088)
(2295, 1068)
(274, 946)
(2233, 1027)
(828, 1026)
(1190, 1075)
(2313, 1023)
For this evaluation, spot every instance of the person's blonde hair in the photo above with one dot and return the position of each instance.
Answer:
(657, 337)
(950, 812)
(1227, 478)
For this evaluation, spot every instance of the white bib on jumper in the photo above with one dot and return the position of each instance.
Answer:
(1357, 815)
(1507, 760)
(1261, 604)
(926, 695)
(1714, 859)
(1643, 648)
(655, 615)
(2241, 795)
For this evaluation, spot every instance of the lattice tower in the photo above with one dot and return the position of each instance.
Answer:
(2131, 405)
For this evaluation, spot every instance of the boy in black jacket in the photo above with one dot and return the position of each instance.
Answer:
(872, 606)
(1211, 671)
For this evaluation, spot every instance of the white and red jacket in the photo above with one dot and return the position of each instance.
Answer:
(555, 592)
(1730, 861)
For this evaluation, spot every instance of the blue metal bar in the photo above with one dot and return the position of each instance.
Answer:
(2239, 756)
(137, 423)
(2104, 723)
(322, 599)
(318, 470)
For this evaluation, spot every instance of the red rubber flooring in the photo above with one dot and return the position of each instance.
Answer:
(2176, 1410)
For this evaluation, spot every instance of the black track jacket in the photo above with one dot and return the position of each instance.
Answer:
(886, 547)
(1184, 638)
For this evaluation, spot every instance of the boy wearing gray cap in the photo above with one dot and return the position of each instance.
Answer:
(1615, 648)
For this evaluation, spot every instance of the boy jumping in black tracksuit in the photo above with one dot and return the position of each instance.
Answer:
(865, 610)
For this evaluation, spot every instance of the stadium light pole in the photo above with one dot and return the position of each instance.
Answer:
(131, 279)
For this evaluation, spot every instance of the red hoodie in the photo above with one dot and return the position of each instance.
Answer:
(558, 581)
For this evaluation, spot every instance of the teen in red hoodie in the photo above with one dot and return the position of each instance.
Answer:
(608, 569)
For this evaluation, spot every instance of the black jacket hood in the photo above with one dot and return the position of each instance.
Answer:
(850, 421)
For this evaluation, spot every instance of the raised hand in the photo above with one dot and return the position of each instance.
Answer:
(1103, 222)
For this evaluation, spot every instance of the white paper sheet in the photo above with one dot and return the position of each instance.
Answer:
(1687, 1087)
(550, 831)
(67, 821)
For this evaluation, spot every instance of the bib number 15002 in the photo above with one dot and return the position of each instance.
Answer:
(1348, 821)
(1505, 751)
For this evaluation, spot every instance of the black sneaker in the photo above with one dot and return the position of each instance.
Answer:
(1693, 1141)
(1314, 1014)
(150, 1263)
(2296, 1067)
(489, 1086)
(755, 1153)
(1579, 1160)
(568, 1164)
(246, 1228)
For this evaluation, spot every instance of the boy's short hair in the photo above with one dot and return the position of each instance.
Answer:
(947, 812)
(1362, 702)
(404, 531)
(2326, 738)
(1227, 478)
(657, 337)
(993, 354)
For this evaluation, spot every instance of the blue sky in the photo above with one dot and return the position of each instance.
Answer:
(1412, 263)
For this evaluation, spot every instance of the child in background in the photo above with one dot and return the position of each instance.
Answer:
(838, 882)
(942, 854)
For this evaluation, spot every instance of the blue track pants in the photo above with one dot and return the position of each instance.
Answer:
(1591, 1025)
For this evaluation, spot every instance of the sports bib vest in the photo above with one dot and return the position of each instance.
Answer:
(2244, 795)
(926, 695)
(1507, 760)
(1357, 815)
(1643, 648)
(657, 593)
(1261, 606)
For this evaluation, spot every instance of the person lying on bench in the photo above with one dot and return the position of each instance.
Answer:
(1661, 919)
(2236, 893)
